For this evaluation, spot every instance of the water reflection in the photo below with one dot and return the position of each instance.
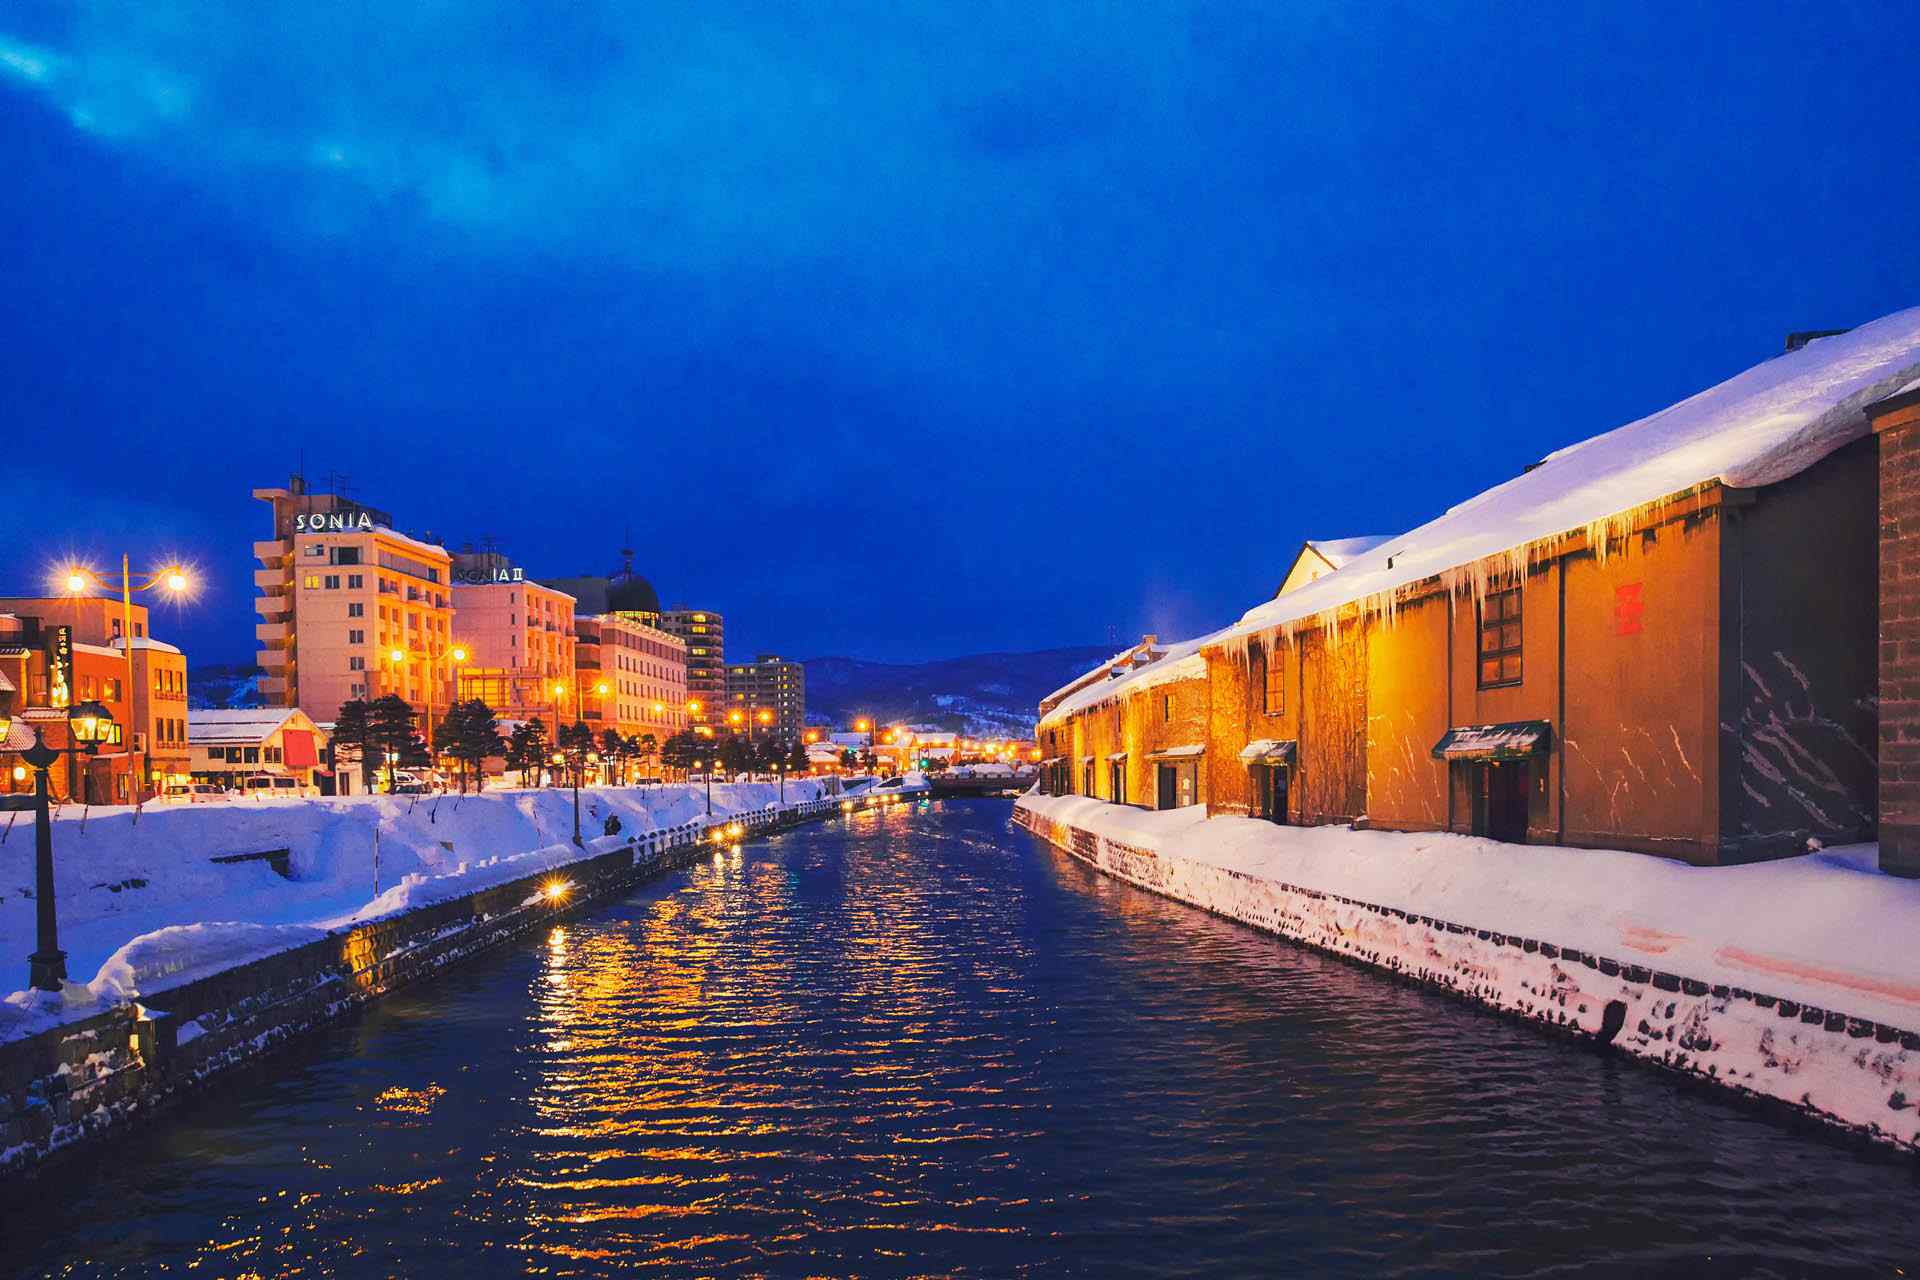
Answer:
(917, 1043)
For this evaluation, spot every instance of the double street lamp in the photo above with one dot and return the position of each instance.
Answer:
(173, 579)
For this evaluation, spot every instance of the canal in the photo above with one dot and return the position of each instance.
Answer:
(912, 1043)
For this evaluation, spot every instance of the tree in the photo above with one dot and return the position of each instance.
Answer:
(615, 750)
(576, 740)
(470, 734)
(797, 759)
(737, 755)
(682, 750)
(848, 759)
(353, 728)
(527, 750)
(390, 731)
(647, 748)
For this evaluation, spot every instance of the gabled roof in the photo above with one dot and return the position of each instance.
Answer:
(247, 724)
(1318, 557)
(1757, 428)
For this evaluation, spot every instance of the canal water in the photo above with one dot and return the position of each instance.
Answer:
(924, 1043)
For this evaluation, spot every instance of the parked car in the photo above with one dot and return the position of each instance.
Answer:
(195, 793)
(271, 784)
(406, 783)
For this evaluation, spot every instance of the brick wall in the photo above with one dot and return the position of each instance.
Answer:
(1897, 422)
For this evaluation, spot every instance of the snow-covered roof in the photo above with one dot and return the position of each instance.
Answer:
(249, 724)
(1179, 662)
(1338, 551)
(1757, 428)
(146, 642)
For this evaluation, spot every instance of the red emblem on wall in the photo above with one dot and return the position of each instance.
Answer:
(1627, 609)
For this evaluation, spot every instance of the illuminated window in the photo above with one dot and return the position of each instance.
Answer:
(311, 582)
(1500, 639)
(1276, 683)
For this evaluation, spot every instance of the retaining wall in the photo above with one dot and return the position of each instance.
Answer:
(1851, 1072)
(79, 1084)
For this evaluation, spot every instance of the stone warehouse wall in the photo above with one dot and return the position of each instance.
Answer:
(86, 1081)
(1855, 1073)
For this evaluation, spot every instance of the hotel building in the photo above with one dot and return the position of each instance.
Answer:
(519, 637)
(349, 607)
(768, 696)
(644, 672)
(706, 635)
(56, 651)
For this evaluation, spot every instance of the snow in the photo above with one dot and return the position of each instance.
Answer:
(1760, 427)
(1827, 928)
(1338, 551)
(145, 879)
(1182, 661)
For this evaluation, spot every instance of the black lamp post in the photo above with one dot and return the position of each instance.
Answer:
(48, 962)
(88, 725)
(708, 775)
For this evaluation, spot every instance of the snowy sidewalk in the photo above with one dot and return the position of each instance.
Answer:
(1825, 929)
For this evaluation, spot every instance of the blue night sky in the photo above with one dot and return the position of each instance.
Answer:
(901, 330)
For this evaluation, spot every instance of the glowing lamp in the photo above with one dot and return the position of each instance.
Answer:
(90, 723)
(557, 759)
(397, 657)
(458, 653)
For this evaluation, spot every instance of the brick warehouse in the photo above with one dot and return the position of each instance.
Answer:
(1661, 639)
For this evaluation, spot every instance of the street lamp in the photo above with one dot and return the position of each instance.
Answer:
(559, 691)
(560, 758)
(47, 966)
(708, 775)
(176, 580)
(89, 725)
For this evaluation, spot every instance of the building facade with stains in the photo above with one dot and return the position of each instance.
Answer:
(1664, 639)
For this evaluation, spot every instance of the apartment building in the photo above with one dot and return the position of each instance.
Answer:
(705, 632)
(643, 671)
(519, 641)
(767, 696)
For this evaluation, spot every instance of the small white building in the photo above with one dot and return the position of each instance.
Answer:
(227, 746)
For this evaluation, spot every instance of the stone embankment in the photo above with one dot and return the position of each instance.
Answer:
(1847, 1067)
(83, 1083)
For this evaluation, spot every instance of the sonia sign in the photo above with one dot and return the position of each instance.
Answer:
(482, 577)
(333, 522)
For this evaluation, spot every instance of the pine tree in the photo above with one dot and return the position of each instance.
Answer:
(647, 747)
(797, 759)
(682, 750)
(353, 728)
(470, 734)
(614, 749)
(390, 731)
(527, 750)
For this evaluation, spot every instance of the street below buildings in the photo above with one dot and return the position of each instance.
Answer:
(920, 1041)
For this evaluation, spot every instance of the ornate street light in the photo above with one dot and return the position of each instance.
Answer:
(48, 963)
(89, 726)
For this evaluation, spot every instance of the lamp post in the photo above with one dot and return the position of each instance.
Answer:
(173, 579)
(558, 690)
(560, 757)
(47, 966)
(708, 775)
(88, 726)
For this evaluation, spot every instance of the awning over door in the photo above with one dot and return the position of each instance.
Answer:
(1516, 740)
(1274, 751)
(1118, 755)
(1179, 753)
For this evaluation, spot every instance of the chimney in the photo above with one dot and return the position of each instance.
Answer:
(1795, 341)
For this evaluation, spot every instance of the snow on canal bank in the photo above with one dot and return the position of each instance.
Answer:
(1826, 929)
(1796, 980)
(122, 877)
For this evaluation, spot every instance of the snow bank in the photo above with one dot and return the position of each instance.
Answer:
(180, 954)
(1825, 929)
(1793, 981)
(120, 874)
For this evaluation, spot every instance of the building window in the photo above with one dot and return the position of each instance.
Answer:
(356, 664)
(333, 582)
(1276, 683)
(1500, 639)
(355, 581)
(357, 610)
(356, 637)
(311, 582)
(1166, 707)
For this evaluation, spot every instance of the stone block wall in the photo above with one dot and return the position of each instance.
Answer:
(1897, 423)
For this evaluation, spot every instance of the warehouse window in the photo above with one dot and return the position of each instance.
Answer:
(1500, 639)
(1276, 684)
